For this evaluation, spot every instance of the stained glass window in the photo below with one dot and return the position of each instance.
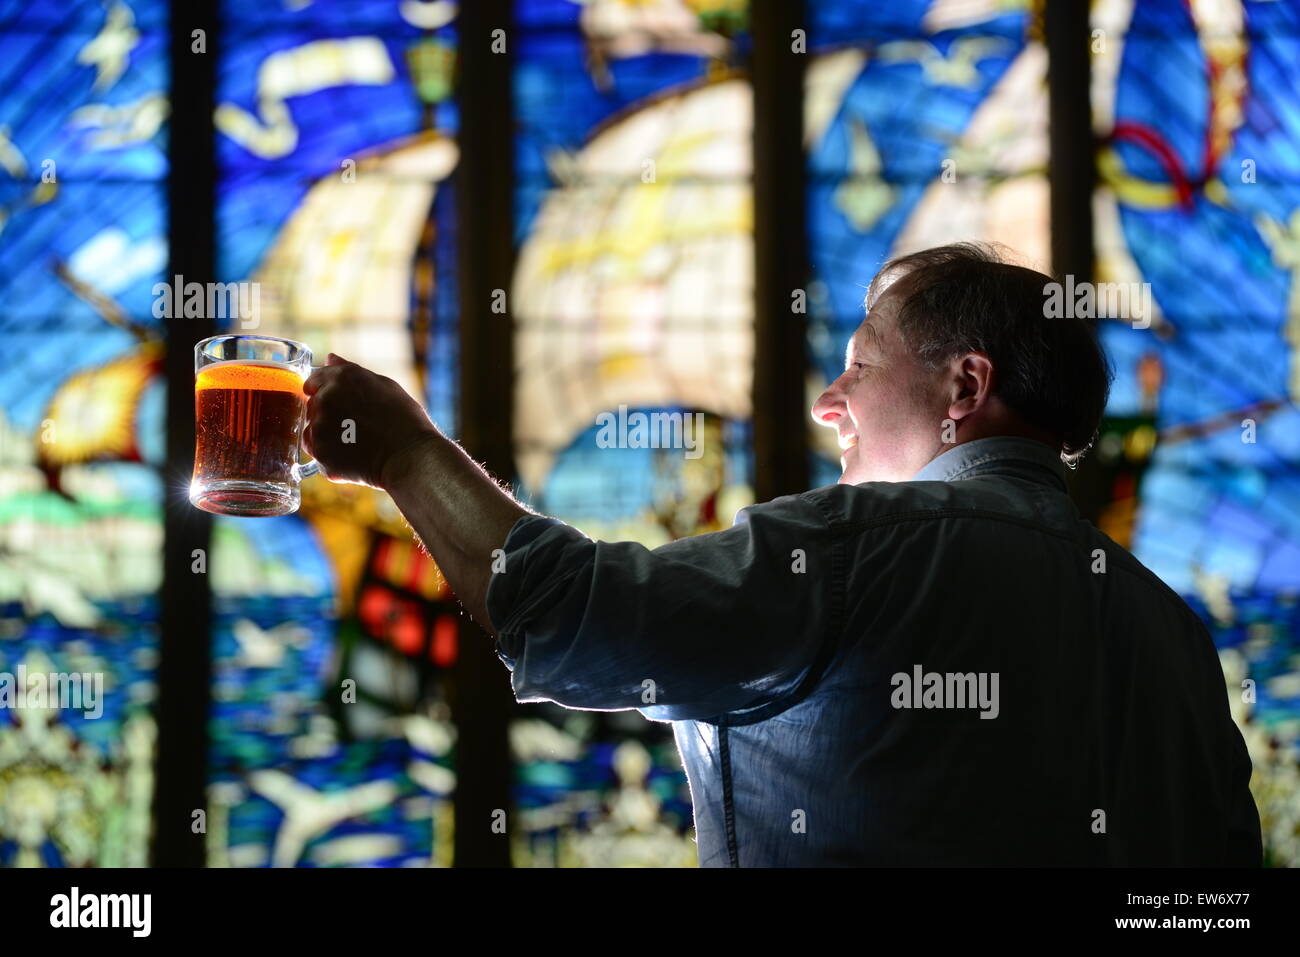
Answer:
(1199, 197)
(82, 242)
(333, 632)
(633, 307)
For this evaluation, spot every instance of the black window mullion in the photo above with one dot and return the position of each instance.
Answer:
(184, 670)
(780, 250)
(484, 182)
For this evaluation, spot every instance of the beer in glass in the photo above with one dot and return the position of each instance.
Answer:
(250, 410)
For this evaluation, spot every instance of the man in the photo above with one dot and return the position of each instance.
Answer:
(933, 662)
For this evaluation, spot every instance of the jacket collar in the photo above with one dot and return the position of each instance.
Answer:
(997, 454)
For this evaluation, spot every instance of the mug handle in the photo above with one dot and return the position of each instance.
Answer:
(302, 470)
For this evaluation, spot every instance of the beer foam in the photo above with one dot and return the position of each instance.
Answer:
(248, 374)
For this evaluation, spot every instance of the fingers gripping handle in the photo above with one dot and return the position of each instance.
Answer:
(302, 470)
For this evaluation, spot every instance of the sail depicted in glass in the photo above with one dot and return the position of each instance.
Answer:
(633, 307)
(333, 631)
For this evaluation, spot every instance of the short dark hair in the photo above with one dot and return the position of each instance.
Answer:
(966, 297)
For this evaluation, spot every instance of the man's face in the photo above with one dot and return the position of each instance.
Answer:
(887, 409)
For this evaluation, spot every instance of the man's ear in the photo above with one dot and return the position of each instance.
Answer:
(971, 384)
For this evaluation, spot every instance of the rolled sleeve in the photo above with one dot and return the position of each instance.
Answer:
(697, 628)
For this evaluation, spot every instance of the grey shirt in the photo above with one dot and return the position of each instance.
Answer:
(954, 670)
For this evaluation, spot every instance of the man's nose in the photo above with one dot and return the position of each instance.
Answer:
(828, 407)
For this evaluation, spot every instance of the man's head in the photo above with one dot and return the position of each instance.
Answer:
(956, 347)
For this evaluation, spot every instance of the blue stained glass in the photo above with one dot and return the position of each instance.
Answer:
(572, 82)
(80, 15)
(558, 101)
(599, 232)
(859, 21)
(340, 121)
(1218, 272)
(314, 100)
(1204, 164)
(335, 17)
(1125, 347)
(83, 157)
(82, 242)
(398, 819)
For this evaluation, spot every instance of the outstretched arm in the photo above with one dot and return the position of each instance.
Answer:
(457, 510)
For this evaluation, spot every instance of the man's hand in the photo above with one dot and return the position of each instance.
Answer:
(460, 514)
(359, 422)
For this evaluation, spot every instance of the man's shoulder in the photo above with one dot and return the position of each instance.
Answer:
(1145, 581)
(882, 501)
(984, 499)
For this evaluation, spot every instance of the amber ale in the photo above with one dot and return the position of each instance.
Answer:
(249, 420)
